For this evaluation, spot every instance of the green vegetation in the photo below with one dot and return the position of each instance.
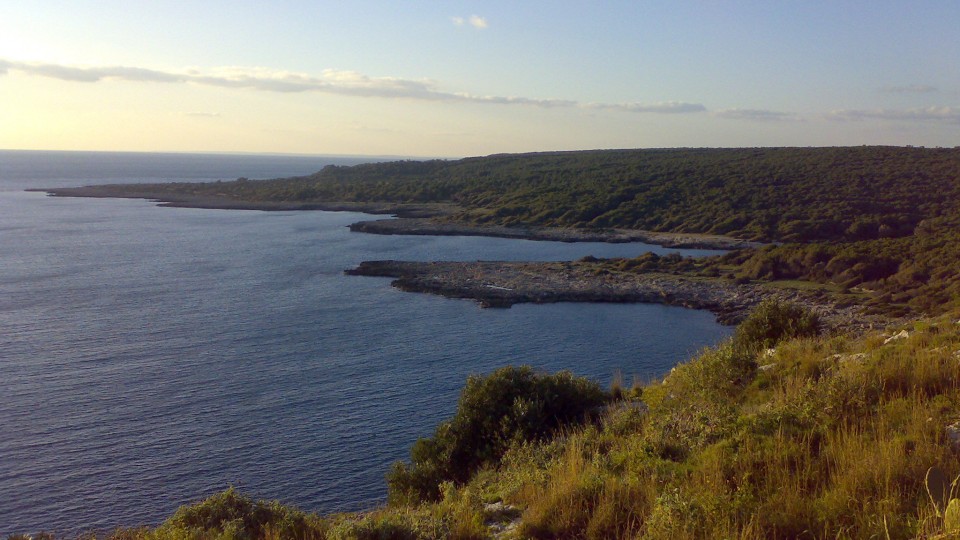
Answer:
(822, 437)
(915, 275)
(766, 194)
(772, 322)
(510, 406)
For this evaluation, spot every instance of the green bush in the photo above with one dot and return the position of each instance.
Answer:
(232, 515)
(697, 402)
(509, 406)
(773, 321)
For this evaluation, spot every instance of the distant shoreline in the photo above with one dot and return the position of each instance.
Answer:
(187, 200)
(414, 219)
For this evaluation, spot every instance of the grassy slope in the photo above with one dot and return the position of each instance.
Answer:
(831, 439)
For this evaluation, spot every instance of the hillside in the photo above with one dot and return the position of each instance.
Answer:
(764, 194)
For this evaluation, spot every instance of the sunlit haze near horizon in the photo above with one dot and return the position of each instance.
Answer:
(449, 79)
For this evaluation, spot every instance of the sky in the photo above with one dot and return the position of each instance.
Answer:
(457, 78)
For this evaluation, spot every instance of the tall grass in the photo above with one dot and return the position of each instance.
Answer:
(832, 442)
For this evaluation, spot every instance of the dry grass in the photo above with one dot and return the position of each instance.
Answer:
(832, 442)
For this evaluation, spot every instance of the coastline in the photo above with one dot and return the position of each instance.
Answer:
(503, 284)
(411, 219)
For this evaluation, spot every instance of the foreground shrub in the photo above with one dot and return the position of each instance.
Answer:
(235, 516)
(510, 406)
(772, 322)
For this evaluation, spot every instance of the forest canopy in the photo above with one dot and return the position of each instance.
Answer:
(764, 194)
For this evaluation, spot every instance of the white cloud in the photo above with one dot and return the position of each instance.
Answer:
(514, 100)
(926, 114)
(348, 83)
(338, 82)
(754, 114)
(201, 114)
(477, 21)
(664, 107)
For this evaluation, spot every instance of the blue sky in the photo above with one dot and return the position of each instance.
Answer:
(472, 78)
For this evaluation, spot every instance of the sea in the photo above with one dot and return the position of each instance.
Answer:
(153, 356)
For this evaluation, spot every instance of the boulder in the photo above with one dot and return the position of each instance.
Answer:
(903, 334)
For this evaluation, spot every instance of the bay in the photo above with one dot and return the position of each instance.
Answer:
(152, 356)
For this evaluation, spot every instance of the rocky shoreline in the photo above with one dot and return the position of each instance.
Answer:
(430, 227)
(502, 284)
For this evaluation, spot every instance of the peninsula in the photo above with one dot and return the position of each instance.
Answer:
(503, 284)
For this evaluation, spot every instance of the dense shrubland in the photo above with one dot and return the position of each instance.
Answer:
(767, 194)
(916, 275)
(779, 432)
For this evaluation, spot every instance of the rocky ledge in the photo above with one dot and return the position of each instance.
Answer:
(502, 284)
(431, 227)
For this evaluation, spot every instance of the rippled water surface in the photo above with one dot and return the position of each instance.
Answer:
(151, 356)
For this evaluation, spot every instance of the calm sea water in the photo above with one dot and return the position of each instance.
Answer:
(152, 356)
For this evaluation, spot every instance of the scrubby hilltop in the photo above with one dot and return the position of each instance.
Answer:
(764, 194)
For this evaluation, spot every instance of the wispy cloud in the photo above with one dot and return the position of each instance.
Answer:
(201, 114)
(475, 21)
(478, 22)
(911, 89)
(755, 115)
(664, 107)
(926, 114)
(349, 83)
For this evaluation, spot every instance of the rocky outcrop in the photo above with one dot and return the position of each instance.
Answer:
(502, 284)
